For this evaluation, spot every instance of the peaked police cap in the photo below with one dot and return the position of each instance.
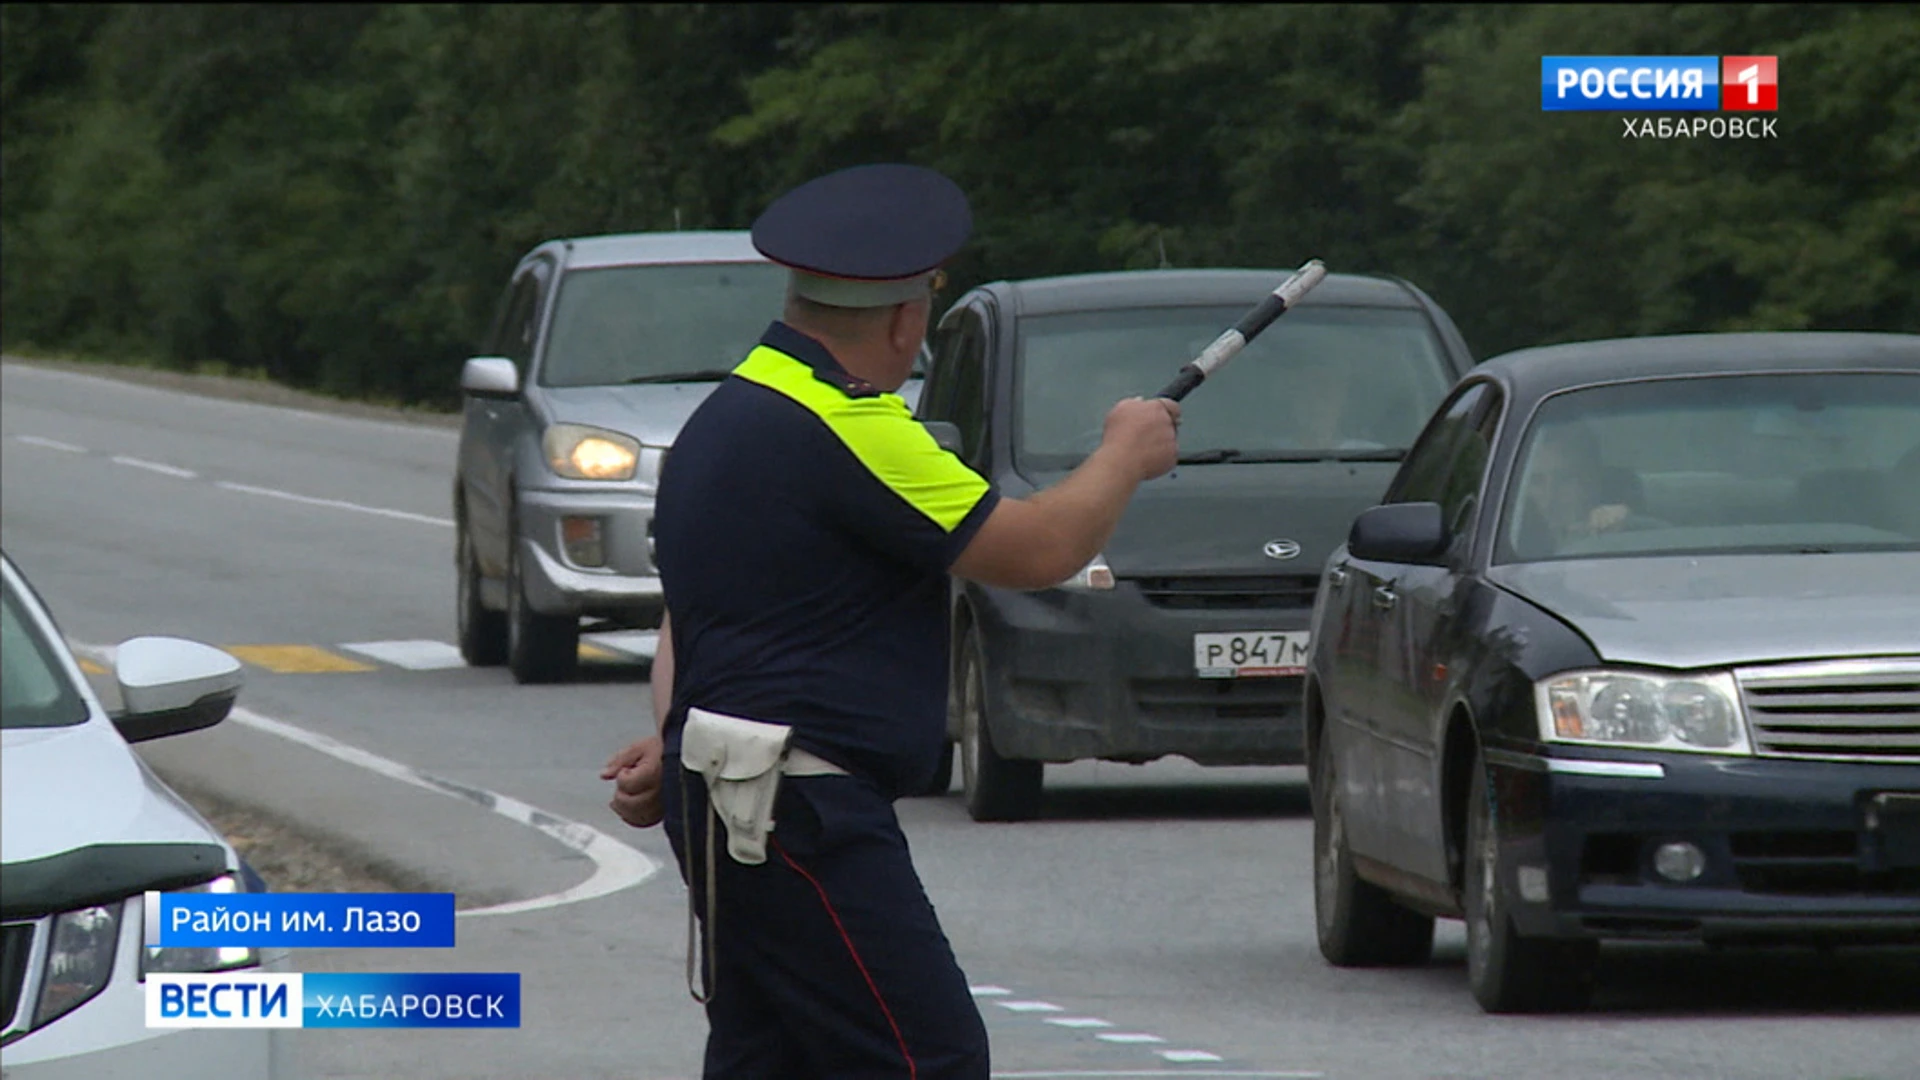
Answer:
(868, 236)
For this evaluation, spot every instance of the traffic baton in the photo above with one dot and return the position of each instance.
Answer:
(1227, 345)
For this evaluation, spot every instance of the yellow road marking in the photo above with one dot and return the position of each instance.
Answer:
(590, 651)
(91, 668)
(295, 659)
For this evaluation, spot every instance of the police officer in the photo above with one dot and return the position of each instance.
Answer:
(806, 526)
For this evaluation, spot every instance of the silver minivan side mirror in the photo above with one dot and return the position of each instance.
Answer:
(490, 376)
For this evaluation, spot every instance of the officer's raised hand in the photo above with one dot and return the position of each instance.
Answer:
(1147, 430)
(1044, 539)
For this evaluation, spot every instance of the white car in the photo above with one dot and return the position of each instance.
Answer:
(86, 829)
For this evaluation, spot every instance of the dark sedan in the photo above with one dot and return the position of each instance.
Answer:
(1632, 650)
(1187, 635)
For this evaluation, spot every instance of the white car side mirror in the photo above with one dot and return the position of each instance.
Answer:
(171, 685)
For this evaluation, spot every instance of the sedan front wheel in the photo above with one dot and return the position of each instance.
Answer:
(1358, 923)
(1509, 973)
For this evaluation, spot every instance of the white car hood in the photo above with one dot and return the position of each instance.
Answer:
(71, 787)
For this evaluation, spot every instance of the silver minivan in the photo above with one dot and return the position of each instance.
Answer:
(601, 349)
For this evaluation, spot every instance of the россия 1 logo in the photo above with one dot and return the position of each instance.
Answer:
(1750, 83)
(1660, 84)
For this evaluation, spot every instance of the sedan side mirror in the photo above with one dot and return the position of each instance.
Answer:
(1398, 533)
(172, 685)
(946, 434)
(490, 377)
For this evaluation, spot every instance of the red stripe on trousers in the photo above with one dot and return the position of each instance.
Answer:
(912, 1069)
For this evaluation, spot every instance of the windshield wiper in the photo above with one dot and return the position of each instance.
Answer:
(1215, 457)
(1208, 457)
(708, 375)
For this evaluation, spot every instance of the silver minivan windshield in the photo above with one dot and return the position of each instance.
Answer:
(662, 323)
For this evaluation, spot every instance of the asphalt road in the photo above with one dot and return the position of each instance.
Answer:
(1157, 922)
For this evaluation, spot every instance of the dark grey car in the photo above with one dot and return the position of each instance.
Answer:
(1631, 650)
(1188, 635)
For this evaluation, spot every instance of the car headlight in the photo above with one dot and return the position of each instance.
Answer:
(200, 958)
(1096, 576)
(579, 452)
(79, 960)
(652, 460)
(1614, 708)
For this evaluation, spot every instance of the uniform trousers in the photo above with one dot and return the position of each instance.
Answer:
(828, 959)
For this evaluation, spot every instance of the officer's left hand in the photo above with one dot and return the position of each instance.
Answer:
(636, 771)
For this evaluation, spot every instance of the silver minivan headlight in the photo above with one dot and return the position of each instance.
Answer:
(579, 452)
(1697, 713)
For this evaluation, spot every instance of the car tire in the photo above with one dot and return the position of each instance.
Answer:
(1509, 973)
(540, 648)
(942, 779)
(997, 789)
(483, 633)
(1358, 922)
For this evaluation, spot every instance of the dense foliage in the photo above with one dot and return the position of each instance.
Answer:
(335, 193)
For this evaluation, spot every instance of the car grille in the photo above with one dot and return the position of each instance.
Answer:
(1865, 710)
(1218, 699)
(1812, 864)
(1261, 591)
(1827, 862)
(16, 943)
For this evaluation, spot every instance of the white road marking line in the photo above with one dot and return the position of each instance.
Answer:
(51, 444)
(615, 865)
(337, 504)
(1175, 1057)
(632, 642)
(1147, 1074)
(412, 655)
(154, 466)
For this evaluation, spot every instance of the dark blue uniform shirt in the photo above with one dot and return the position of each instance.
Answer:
(803, 529)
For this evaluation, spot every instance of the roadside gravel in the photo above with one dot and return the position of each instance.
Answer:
(293, 859)
(259, 391)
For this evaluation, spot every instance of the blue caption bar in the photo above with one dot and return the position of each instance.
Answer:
(1629, 83)
(299, 920)
(253, 999)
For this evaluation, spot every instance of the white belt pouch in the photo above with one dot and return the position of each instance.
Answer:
(742, 761)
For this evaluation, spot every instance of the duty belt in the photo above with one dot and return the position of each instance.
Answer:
(742, 761)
